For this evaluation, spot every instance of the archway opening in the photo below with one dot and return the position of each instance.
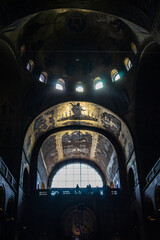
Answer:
(55, 137)
(79, 223)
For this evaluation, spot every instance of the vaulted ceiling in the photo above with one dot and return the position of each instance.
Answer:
(80, 144)
(78, 45)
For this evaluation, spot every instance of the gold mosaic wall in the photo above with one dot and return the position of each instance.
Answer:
(78, 113)
(80, 144)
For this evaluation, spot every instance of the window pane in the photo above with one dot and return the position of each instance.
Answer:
(77, 173)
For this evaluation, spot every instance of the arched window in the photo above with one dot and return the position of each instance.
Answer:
(79, 87)
(127, 64)
(30, 66)
(60, 84)
(134, 48)
(115, 75)
(98, 83)
(72, 174)
(43, 77)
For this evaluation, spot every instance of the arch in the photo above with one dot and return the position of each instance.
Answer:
(115, 75)
(82, 162)
(84, 114)
(79, 87)
(89, 162)
(43, 77)
(127, 64)
(98, 83)
(78, 113)
(86, 145)
(75, 219)
(30, 65)
(60, 84)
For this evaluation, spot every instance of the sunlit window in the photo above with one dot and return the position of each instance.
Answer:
(98, 83)
(127, 63)
(30, 66)
(79, 87)
(134, 48)
(60, 84)
(43, 77)
(76, 173)
(115, 75)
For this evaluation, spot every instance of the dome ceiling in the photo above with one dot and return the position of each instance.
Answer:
(72, 44)
(79, 46)
(75, 44)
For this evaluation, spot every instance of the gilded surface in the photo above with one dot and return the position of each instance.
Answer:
(78, 113)
(78, 144)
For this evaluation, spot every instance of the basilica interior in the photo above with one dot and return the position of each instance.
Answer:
(79, 120)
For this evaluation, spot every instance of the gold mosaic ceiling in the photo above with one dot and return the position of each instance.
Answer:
(80, 144)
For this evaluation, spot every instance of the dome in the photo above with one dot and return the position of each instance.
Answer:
(72, 44)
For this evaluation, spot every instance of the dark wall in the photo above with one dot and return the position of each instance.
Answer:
(147, 114)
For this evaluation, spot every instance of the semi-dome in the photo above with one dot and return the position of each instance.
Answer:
(64, 47)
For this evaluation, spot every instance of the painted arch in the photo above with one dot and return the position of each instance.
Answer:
(78, 113)
(79, 144)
